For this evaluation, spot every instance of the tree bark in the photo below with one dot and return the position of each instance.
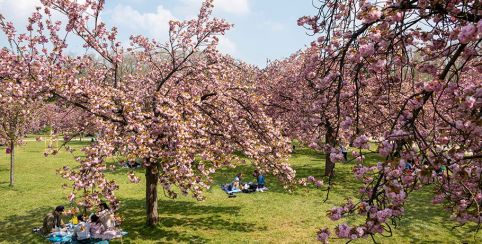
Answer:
(12, 159)
(152, 177)
(331, 142)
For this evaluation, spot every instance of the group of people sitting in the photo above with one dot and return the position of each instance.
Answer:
(238, 186)
(100, 225)
(131, 164)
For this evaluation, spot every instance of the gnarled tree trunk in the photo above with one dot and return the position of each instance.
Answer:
(152, 177)
(331, 141)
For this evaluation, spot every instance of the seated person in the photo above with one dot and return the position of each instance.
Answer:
(259, 180)
(130, 164)
(439, 169)
(82, 229)
(98, 231)
(236, 182)
(344, 152)
(106, 216)
(96, 228)
(53, 220)
(408, 165)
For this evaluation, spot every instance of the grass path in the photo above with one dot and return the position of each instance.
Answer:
(276, 216)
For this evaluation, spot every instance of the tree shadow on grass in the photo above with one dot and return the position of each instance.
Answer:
(343, 183)
(424, 222)
(226, 175)
(306, 152)
(420, 211)
(76, 143)
(119, 170)
(17, 228)
(343, 180)
(5, 186)
(191, 216)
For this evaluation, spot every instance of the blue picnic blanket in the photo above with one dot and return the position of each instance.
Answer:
(228, 189)
(67, 239)
(55, 238)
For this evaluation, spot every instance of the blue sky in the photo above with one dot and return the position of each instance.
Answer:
(263, 29)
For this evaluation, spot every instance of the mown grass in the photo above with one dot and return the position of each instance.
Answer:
(276, 216)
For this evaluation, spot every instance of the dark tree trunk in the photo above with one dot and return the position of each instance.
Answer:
(152, 177)
(12, 159)
(330, 141)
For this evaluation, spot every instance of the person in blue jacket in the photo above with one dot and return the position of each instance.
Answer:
(259, 180)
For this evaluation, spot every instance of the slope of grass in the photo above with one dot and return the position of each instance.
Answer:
(276, 216)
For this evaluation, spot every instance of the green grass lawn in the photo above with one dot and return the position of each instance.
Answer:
(276, 216)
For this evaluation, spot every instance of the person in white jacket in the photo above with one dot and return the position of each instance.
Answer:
(82, 229)
(106, 216)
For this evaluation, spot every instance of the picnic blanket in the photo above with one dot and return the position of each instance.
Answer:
(248, 188)
(66, 238)
(228, 188)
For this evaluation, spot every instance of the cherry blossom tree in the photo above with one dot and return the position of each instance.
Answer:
(16, 113)
(301, 105)
(180, 107)
(69, 121)
(417, 65)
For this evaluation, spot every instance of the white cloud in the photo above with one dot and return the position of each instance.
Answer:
(238, 7)
(227, 46)
(233, 6)
(18, 11)
(154, 25)
(130, 21)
